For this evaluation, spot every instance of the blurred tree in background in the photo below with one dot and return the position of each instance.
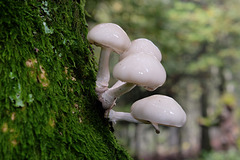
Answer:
(199, 41)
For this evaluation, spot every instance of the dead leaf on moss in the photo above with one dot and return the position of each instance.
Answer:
(31, 62)
(14, 142)
(42, 78)
(4, 127)
(13, 116)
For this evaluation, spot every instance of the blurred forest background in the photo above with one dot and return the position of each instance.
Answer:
(199, 41)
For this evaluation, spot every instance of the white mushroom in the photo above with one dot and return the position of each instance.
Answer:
(159, 109)
(156, 109)
(136, 69)
(110, 37)
(141, 69)
(138, 46)
(142, 45)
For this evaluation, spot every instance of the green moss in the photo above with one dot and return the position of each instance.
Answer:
(48, 104)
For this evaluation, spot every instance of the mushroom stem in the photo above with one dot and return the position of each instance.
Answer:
(103, 74)
(117, 84)
(109, 97)
(155, 125)
(121, 116)
(115, 117)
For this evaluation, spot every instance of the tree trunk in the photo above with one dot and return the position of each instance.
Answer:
(205, 139)
(48, 104)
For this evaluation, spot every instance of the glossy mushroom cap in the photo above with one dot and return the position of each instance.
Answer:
(141, 69)
(142, 45)
(159, 109)
(109, 35)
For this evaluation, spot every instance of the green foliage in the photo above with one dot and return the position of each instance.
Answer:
(48, 107)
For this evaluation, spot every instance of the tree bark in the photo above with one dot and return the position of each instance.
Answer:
(48, 106)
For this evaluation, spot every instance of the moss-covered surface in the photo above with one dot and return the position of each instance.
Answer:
(48, 108)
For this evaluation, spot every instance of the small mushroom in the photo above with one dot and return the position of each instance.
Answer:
(110, 37)
(141, 69)
(136, 69)
(156, 109)
(142, 45)
(159, 109)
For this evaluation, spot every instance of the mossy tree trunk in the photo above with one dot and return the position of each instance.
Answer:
(48, 107)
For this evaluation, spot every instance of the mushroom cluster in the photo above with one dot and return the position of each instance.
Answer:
(139, 64)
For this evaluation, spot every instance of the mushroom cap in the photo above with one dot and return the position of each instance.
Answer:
(159, 109)
(109, 35)
(141, 69)
(142, 45)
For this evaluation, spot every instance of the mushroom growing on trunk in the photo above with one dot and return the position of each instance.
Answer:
(142, 45)
(141, 69)
(159, 109)
(137, 69)
(135, 63)
(155, 110)
(110, 37)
